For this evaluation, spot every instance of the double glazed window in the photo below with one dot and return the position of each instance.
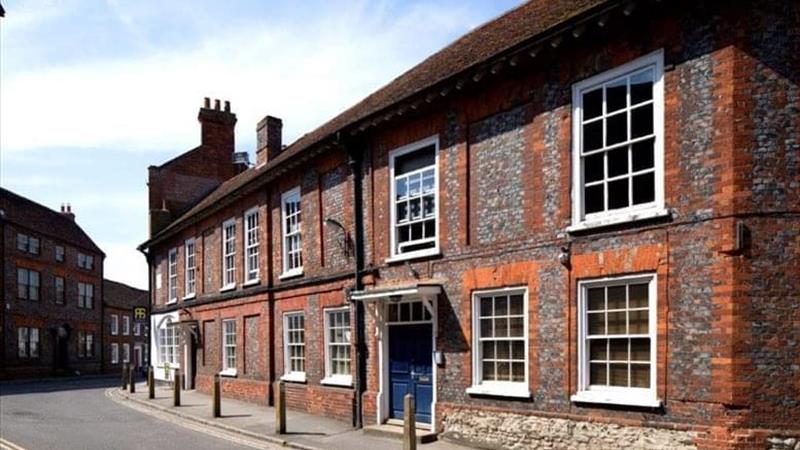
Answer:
(501, 348)
(229, 346)
(172, 276)
(27, 284)
(27, 244)
(617, 334)
(229, 254)
(191, 268)
(337, 346)
(618, 119)
(414, 194)
(251, 229)
(85, 295)
(292, 233)
(27, 342)
(85, 344)
(294, 348)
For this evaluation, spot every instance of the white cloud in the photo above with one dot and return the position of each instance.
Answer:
(125, 264)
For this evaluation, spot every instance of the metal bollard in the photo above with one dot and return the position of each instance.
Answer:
(280, 407)
(216, 402)
(151, 383)
(124, 381)
(132, 378)
(409, 423)
(176, 388)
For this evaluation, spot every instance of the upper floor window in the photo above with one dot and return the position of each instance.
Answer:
(191, 268)
(294, 347)
(251, 229)
(337, 347)
(60, 290)
(618, 135)
(229, 347)
(59, 253)
(27, 342)
(114, 324)
(292, 234)
(27, 284)
(617, 341)
(229, 254)
(172, 276)
(85, 261)
(85, 344)
(414, 194)
(126, 325)
(27, 244)
(85, 295)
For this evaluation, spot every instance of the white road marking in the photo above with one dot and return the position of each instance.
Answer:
(8, 445)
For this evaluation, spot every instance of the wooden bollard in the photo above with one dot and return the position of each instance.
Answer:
(216, 401)
(151, 384)
(409, 423)
(280, 407)
(124, 381)
(176, 388)
(132, 378)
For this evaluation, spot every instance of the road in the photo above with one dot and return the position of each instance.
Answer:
(77, 414)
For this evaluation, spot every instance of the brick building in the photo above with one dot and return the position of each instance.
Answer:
(125, 338)
(577, 224)
(51, 315)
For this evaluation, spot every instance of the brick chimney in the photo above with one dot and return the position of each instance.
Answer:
(216, 134)
(269, 138)
(66, 211)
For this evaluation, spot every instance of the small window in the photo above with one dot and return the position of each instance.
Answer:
(172, 279)
(114, 353)
(229, 347)
(85, 344)
(251, 235)
(292, 233)
(137, 329)
(191, 269)
(85, 295)
(229, 254)
(60, 290)
(294, 346)
(500, 348)
(126, 325)
(60, 254)
(85, 261)
(27, 284)
(126, 353)
(27, 244)
(337, 347)
(114, 324)
(28, 342)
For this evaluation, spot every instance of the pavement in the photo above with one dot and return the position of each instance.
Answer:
(304, 431)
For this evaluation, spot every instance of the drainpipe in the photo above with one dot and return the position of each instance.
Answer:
(355, 158)
(149, 303)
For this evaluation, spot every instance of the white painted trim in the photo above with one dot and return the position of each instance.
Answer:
(294, 377)
(393, 154)
(288, 374)
(247, 269)
(581, 221)
(114, 324)
(229, 371)
(114, 353)
(340, 379)
(296, 271)
(189, 293)
(616, 219)
(223, 238)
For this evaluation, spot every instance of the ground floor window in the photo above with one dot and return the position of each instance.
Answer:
(168, 343)
(28, 342)
(85, 344)
(114, 353)
(617, 332)
(337, 347)
(294, 346)
(229, 346)
(126, 353)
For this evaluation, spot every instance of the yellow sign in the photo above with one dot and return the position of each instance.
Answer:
(140, 313)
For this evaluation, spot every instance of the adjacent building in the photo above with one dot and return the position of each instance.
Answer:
(125, 334)
(52, 287)
(576, 225)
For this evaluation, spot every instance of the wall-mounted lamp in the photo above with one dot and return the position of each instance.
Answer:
(564, 257)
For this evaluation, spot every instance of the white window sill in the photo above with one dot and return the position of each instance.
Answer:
(291, 274)
(633, 216)
(520, 391)
(294, 377)
(172, 302)
(228, 373)
(190, 296)
(412, 255)
(251, 282)
(644, 399)
(338, 380)
(228, 287)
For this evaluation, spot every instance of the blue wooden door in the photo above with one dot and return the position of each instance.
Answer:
(411, 369)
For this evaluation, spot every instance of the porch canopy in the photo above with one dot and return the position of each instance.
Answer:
(420, 290)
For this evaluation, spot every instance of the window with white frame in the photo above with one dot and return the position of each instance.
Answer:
(294, 346)
(618, 135)
(60, 254)
(137, 329)
(28, 284)
(191, 268)
(172, 276)
(229, 347)
(85, 261)
(415, 197)
(85, 295)
(617, 341)
(500, 347)
(126, 325)
(114, 353)
(168, 343)
(126, 353)
(229, 254)
(114, 324)
(251, 229)
(28, 244)
(337, 347)
(60, 290)
(292, 233)
(85, 344)
(28, 342)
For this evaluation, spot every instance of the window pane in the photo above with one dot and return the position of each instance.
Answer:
(516, 305)
(593, 168)
(616, 297)
(516, 327)
(503, 350)
(594, 199)
(642, 121)
(618, 375)
(592, 104)
(593, 135)
(643, 155)
(518, 350)
(618, 350)
(488, 371)
(596, 301)
(642, 87)
(640, 349)
(487, 349)
(644, 188)
(616, 323)
(598, 350)
(597, 323)
(501, 327)
(617, 128)
(616, 95)
(415, 160)
(637, 295)
(500, 306)
(486, 306)
(598, 374)
(640, 375)
(618, 162)
(517, 371)
(618, 194)
(503, 371)
(639, 321)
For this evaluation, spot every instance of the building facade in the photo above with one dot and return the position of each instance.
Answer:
(576, 225)
(52, 285)
(125, 336)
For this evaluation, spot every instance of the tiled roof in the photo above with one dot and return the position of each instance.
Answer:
(512, 29)
(121, 295)
(29, 214)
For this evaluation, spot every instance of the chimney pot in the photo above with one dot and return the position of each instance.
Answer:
(206, 103)
(227, 106)
(216, 104)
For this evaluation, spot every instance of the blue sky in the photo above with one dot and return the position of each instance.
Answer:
(92, 91)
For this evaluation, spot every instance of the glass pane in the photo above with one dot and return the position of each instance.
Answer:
(487, 349)
(640, 375)
(488, 371)
(416, 311)
(598, 374)
(402, 212)
(644, 188)
(592, 104)
(503, 350)
(593, 168)
(618, 162)
(618, 350)
(501, 327)
(593, 197)
(486, 328)
(414, 185)
(518, 350)
(637, 295)
(416, 231)
(486, 306)
(640, 349)
(616, 95)
(598, 350)
(516, 327)
(618, 375)
(597, 323)
(428, 207)
(415, 207)
(401, 187)
(617, 128)
(616, 297)
(642, 87)
(639, 322)
(427, 181)
(504, 371)
(596, 299)
(616, 323)
(618, 194)
(642, 121)
(500, 306)
(643, 155)
(430, 228)
(517, 371)
(515, 305)
(593, 135)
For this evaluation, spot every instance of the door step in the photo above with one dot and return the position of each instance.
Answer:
(424, 435)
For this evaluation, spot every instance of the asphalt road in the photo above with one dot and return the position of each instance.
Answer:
(77, 414)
